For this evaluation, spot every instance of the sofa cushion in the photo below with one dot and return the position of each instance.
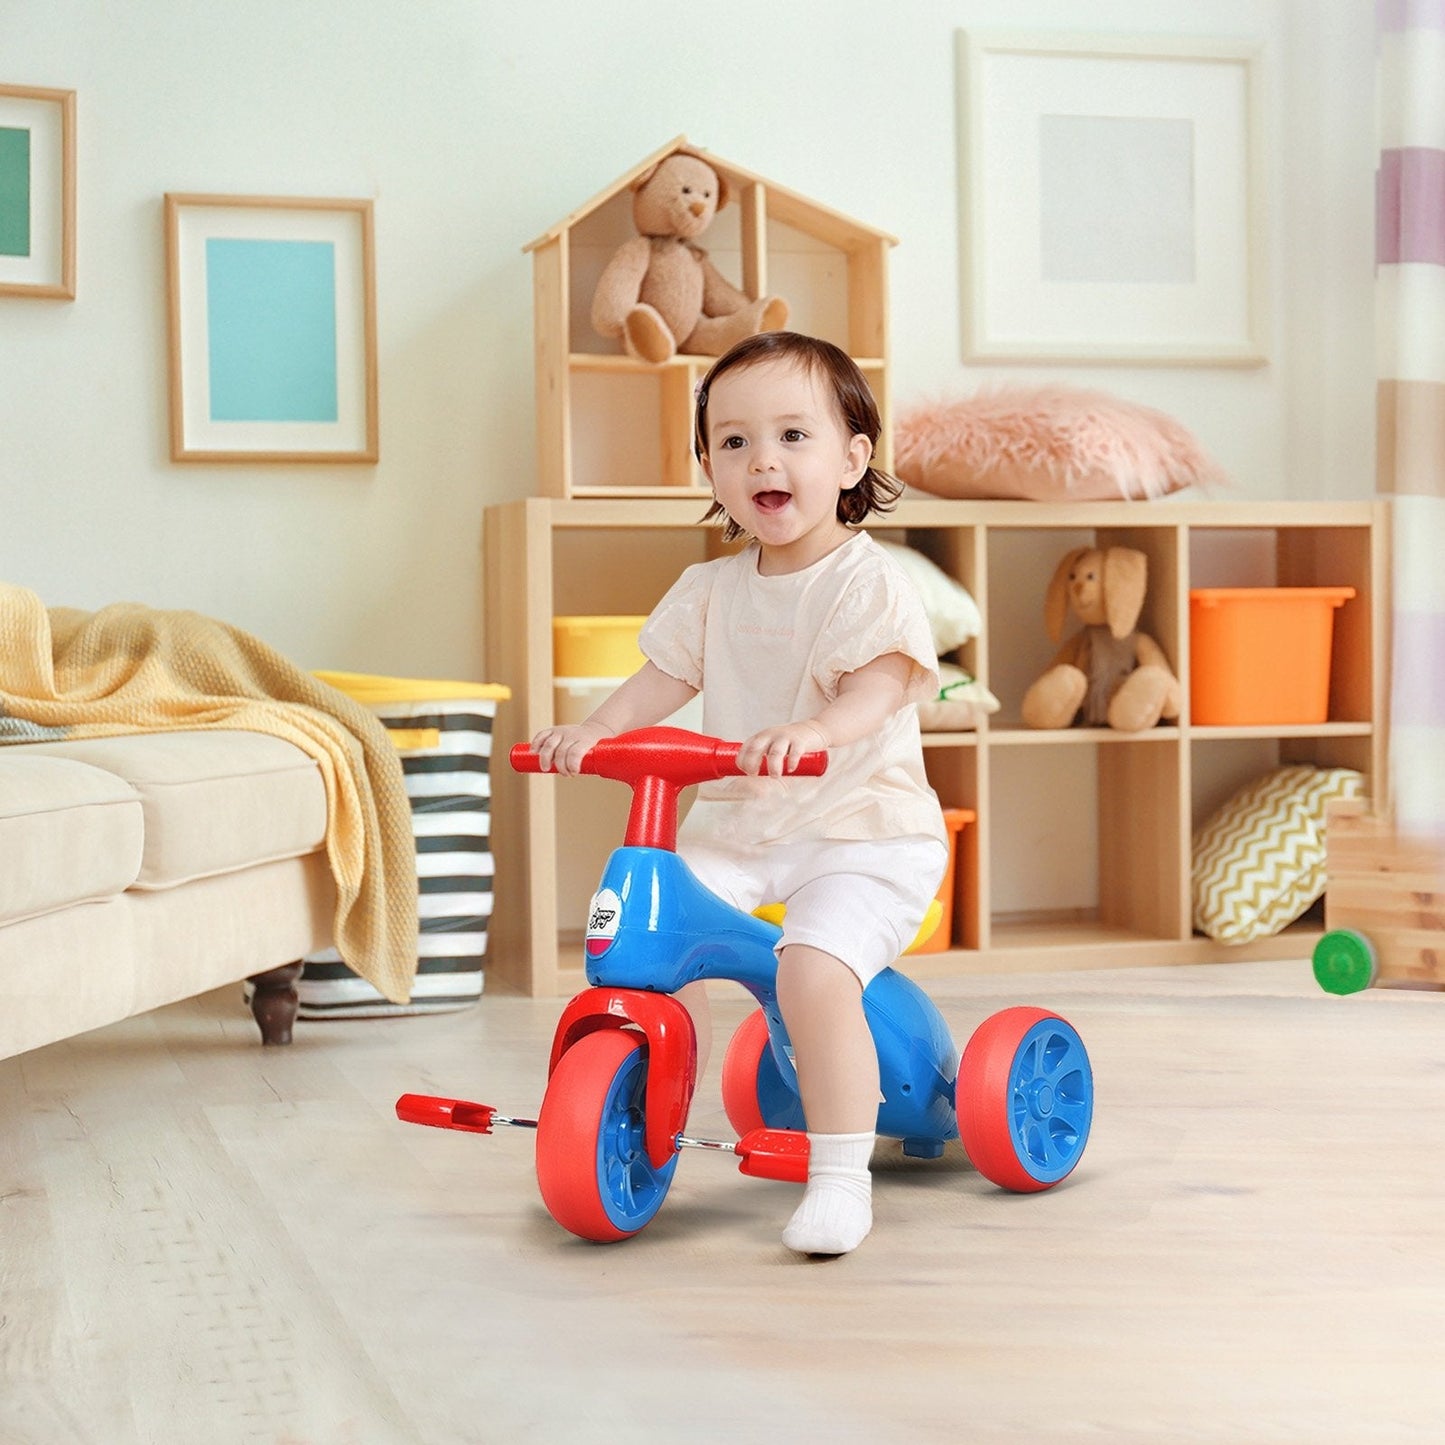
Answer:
(68, 834)
(214, 801)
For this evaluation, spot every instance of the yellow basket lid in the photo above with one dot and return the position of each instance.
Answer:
(365, 687)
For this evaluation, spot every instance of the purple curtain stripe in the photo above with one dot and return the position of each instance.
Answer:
(1418, 694)
(1409, 15)
(1410, 206)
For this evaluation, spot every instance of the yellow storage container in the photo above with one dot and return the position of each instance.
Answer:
(596, 646)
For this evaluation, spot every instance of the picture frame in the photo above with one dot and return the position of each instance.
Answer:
(1112, 200)
(272, 329)
(37, 192)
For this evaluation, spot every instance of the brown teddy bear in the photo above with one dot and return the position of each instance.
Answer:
(1108, 671)
(659, 293)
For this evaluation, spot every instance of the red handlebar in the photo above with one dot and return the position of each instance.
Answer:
(657, 763)
(678, 756)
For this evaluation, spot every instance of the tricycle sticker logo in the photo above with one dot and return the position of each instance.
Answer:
(602, 920)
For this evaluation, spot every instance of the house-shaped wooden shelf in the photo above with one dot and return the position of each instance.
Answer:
(612, 426)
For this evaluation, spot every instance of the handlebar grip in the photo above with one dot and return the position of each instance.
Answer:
(810, 765)
(524, 760)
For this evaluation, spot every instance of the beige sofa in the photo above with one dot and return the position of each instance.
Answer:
(138, 870)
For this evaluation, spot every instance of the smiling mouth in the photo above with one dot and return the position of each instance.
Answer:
(772, 501)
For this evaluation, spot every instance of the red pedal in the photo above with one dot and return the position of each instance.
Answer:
(445, 1113)
(774, 1154)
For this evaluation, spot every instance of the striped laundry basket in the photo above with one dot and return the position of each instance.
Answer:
(443, 731)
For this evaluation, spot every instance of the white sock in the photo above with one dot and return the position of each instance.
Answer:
(837, 1208)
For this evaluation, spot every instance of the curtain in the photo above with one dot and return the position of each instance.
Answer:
(1410, 403)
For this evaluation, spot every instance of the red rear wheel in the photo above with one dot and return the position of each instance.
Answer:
(755, 1093)
(1025, 1097)
(740, 1073)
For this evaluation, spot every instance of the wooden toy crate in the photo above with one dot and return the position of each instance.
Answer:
(1389, 890)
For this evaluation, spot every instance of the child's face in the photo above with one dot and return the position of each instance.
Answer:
(778, 455)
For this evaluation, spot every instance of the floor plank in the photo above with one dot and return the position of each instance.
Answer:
(204, 1240)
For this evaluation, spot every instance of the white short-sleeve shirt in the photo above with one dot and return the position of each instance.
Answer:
(764, 651)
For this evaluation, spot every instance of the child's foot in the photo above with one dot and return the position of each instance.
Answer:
(836, 1212)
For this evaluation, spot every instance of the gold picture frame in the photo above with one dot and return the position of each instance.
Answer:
(37, 192)
(272, 329)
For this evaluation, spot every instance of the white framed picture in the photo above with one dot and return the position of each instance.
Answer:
(272, 319)
(1112, 200)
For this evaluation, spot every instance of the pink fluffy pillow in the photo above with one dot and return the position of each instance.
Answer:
(1047, 444)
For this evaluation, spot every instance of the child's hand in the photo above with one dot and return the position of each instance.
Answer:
(776, 751)
(562, 749)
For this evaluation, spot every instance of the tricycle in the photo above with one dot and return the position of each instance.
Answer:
(623, 1061)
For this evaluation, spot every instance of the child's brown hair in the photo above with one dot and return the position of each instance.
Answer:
(875, 490)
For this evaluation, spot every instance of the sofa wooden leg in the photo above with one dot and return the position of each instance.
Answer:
(274, 1002)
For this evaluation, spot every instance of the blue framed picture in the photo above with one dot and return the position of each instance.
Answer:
(272, 329)
(37, 192)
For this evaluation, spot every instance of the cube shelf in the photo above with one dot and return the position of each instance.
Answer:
(1080, 853)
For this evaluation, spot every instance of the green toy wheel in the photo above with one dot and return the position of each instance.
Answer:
(1344, 961)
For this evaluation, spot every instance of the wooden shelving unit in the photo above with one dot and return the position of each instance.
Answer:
(610, 426)
(1135, 798)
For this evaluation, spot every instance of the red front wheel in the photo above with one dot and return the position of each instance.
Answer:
(592, 1165)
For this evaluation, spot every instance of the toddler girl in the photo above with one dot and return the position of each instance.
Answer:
(809, 638)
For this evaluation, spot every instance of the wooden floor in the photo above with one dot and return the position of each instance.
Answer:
(203, 1241)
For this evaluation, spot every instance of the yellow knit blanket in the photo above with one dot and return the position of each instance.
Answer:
(132, 669)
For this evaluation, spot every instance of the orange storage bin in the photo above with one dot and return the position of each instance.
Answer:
(955, 819)
(1261, 655)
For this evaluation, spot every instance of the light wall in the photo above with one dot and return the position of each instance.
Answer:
(475, 126)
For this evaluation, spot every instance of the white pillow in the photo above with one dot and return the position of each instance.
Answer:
(961, 705)
(952, 613)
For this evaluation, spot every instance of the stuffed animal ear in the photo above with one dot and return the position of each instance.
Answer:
(1126, 573)
(723, 194)
(646, 176)
(1056, 599)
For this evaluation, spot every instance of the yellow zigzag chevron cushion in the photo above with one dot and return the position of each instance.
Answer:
(1259, 862)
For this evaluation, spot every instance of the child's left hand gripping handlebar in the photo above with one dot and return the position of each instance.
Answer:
(657, 764)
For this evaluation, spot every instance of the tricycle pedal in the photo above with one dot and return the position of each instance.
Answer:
(763, 1153)
(458, 1114)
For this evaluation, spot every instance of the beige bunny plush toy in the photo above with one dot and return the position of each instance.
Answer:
(659, 294)
(1108, 672)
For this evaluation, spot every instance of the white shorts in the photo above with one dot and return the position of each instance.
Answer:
(860, 901)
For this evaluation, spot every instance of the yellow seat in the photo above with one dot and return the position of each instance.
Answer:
(773, 913)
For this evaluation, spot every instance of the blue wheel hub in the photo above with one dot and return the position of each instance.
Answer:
(1051, 1099)
(631, 1189)
(1040, 1095)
